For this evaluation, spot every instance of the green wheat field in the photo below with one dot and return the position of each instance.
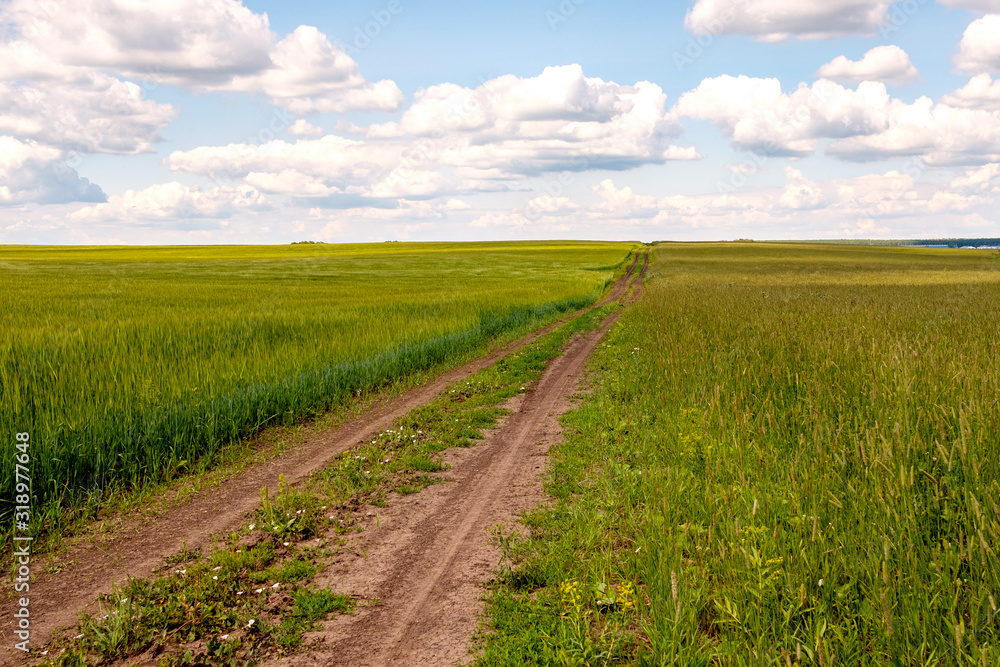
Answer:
(130, 365)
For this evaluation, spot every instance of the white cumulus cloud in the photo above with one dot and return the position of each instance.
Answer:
(96, 113)
(514, 219)
(757, 116)
(979, 50)
(894, 203)
(309, 75)
(32, 173)
(983, 179)
(801, 193)
(456, 140)
(330, 165)
(937, 133)
(865, 124)
(624, 202)
(303, 128)
(174, 203)
(183, 42)
(201, 44)
(551, 205)
(559, 120)
(888, 64)
(776, 20)
(982, 92)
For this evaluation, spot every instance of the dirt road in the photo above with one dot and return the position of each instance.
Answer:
(429, 555)
(138, 549)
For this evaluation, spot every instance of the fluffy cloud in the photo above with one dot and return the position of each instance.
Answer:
(456, 139)
(757, 116)
(624, 205)
(411, 184)
(303, 128)
(865, 124)
(801, 193)
(873, 204)
(173, 202)
(96, 113)
(401, 222)
(981, 180)
(201, 44)
(329, 156)
(776, 20)
(68, 105)
(955, 203)
(185, 42)
(33, 173)
(980, 93)
(309, 75)
(979, 50)
(624, 202)
(550, 205)
(891, 194)
(895, 195)
(289, 182)
(330, 165)
(939, 134)
(559, 120)
(889, 64)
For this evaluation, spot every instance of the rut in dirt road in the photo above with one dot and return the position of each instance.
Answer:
(138, 549)
(429, 556)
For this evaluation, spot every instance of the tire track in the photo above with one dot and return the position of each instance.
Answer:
(138, 549)
(428, 557)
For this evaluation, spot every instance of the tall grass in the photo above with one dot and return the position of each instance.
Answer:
(793, 454)
(129, 365)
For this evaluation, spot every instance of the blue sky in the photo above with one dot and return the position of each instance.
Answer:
(215, 121)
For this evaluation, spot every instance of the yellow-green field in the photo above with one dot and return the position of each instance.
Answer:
(791, 456)
(127, 365)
